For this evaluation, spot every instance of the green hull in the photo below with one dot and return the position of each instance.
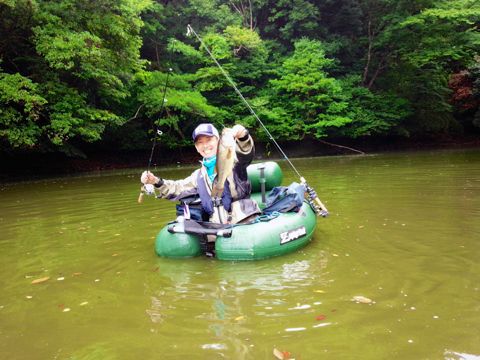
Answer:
(281, 235)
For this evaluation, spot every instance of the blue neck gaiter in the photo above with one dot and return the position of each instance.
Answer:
(210, 166)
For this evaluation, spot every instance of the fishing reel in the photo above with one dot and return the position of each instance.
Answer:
(313, 199)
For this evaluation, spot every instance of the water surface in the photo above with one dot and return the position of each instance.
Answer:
(404, 231)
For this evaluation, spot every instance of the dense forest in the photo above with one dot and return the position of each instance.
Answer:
(76, 72)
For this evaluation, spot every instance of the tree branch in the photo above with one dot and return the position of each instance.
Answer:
(341, 146)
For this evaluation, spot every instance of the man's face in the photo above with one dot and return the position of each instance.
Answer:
(206, 145)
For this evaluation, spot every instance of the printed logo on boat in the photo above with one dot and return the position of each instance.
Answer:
(291, 235)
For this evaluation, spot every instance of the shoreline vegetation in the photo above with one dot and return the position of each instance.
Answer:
(86, 85)
(36, 166)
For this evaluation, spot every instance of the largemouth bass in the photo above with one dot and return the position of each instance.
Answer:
(226, 158)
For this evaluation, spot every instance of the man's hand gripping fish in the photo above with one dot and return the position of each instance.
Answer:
(226, 158)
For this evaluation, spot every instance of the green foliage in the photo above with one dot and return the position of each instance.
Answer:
(311, 101)
(374, 113)
(82, 56)
(183, 109)
(446, 35)
(71, 116)
(290, 20)
(73, 70)
(20, 109)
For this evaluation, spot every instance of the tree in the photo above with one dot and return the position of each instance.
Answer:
(81, 56)
(307, 100)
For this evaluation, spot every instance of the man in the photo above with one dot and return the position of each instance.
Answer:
(235, 204)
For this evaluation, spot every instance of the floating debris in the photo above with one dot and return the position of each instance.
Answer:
(41, 280)
(84, 303)
(29, 297)
(282, 355)
(66, 310)
(238, 318)
(362, 299)
(61, 278)
(322, 325)
(295, 329)
(214, 346)
(301, 307)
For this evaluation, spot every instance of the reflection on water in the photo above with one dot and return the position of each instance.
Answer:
(403, 232)
(228, 296)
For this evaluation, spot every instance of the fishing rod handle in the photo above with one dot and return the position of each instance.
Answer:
(312, 194)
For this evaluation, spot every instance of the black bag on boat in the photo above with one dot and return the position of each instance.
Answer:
(201, 228)
(195, 209)
(284, 199)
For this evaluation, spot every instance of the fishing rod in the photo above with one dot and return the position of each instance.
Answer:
(150, 190)
(313, 199)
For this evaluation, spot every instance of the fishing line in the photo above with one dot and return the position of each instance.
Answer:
(159, 132)
(191, 31)
(314, 201)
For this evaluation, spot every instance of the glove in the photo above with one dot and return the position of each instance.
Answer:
(239, 132)
(148, 178)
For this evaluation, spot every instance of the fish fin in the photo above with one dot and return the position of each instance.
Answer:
(230, 153)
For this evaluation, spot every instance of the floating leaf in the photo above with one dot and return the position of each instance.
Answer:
(320, 317)
(362, 299)
(278, 354)
(281, 355)
(41, 280)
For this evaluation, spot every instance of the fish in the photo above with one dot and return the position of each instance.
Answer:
(226, 159)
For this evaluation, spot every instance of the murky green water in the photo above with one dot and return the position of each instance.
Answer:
(404, 231)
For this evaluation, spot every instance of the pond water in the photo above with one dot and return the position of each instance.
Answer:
(403, 231)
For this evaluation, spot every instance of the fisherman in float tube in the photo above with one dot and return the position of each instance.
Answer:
(219, 191)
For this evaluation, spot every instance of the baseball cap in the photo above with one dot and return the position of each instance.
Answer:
(205, 129)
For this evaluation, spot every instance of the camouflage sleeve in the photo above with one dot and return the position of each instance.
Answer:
(171, 189)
